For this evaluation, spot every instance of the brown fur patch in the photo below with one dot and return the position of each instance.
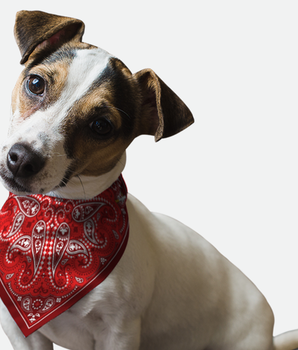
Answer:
(93, 155)
(34, 28)
(53, 69)
(54, 73)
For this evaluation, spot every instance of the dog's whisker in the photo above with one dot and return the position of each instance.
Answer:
(120, 110)
(121, 161)
(56, 154)
(78, 176)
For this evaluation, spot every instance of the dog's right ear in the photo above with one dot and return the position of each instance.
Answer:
(163, 113)
(36, 30)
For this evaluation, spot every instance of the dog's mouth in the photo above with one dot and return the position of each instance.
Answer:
(13, 186)
(26, 186)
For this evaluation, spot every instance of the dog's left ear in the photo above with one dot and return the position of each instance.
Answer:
(163, 113)
(44, 31)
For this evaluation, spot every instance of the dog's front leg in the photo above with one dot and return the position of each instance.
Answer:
(126, 336)
(35, 341)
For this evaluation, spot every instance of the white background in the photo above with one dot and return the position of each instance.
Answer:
(232, 176)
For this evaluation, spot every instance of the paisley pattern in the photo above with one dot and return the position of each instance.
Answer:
(54, 251)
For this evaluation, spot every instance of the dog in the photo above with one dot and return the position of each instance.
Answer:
(75, 110)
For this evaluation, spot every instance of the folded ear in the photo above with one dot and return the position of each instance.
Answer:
(36, 29)
(163, 113)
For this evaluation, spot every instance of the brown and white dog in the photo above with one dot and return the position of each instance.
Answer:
(76, 108)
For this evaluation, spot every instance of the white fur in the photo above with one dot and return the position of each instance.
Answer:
(85, 187)
(83, 71)
(171, 290)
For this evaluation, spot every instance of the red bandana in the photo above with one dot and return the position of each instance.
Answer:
(54, 251)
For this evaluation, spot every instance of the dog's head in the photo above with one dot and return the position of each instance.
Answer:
(76, 108)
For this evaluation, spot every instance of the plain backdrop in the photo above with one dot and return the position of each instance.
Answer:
(233, 175)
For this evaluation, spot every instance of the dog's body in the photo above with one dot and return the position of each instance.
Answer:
(76, 108)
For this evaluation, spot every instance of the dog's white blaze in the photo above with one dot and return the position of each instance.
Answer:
(83, 71)
(85, 68)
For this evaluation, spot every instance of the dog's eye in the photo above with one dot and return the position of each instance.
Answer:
(102, 126)
(36, 85)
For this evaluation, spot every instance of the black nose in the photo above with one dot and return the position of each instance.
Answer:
(23, 161)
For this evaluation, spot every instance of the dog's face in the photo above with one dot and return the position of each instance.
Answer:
(76, 108)
(70, 116)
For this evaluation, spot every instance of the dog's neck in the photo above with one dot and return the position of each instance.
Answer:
(87, 187)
